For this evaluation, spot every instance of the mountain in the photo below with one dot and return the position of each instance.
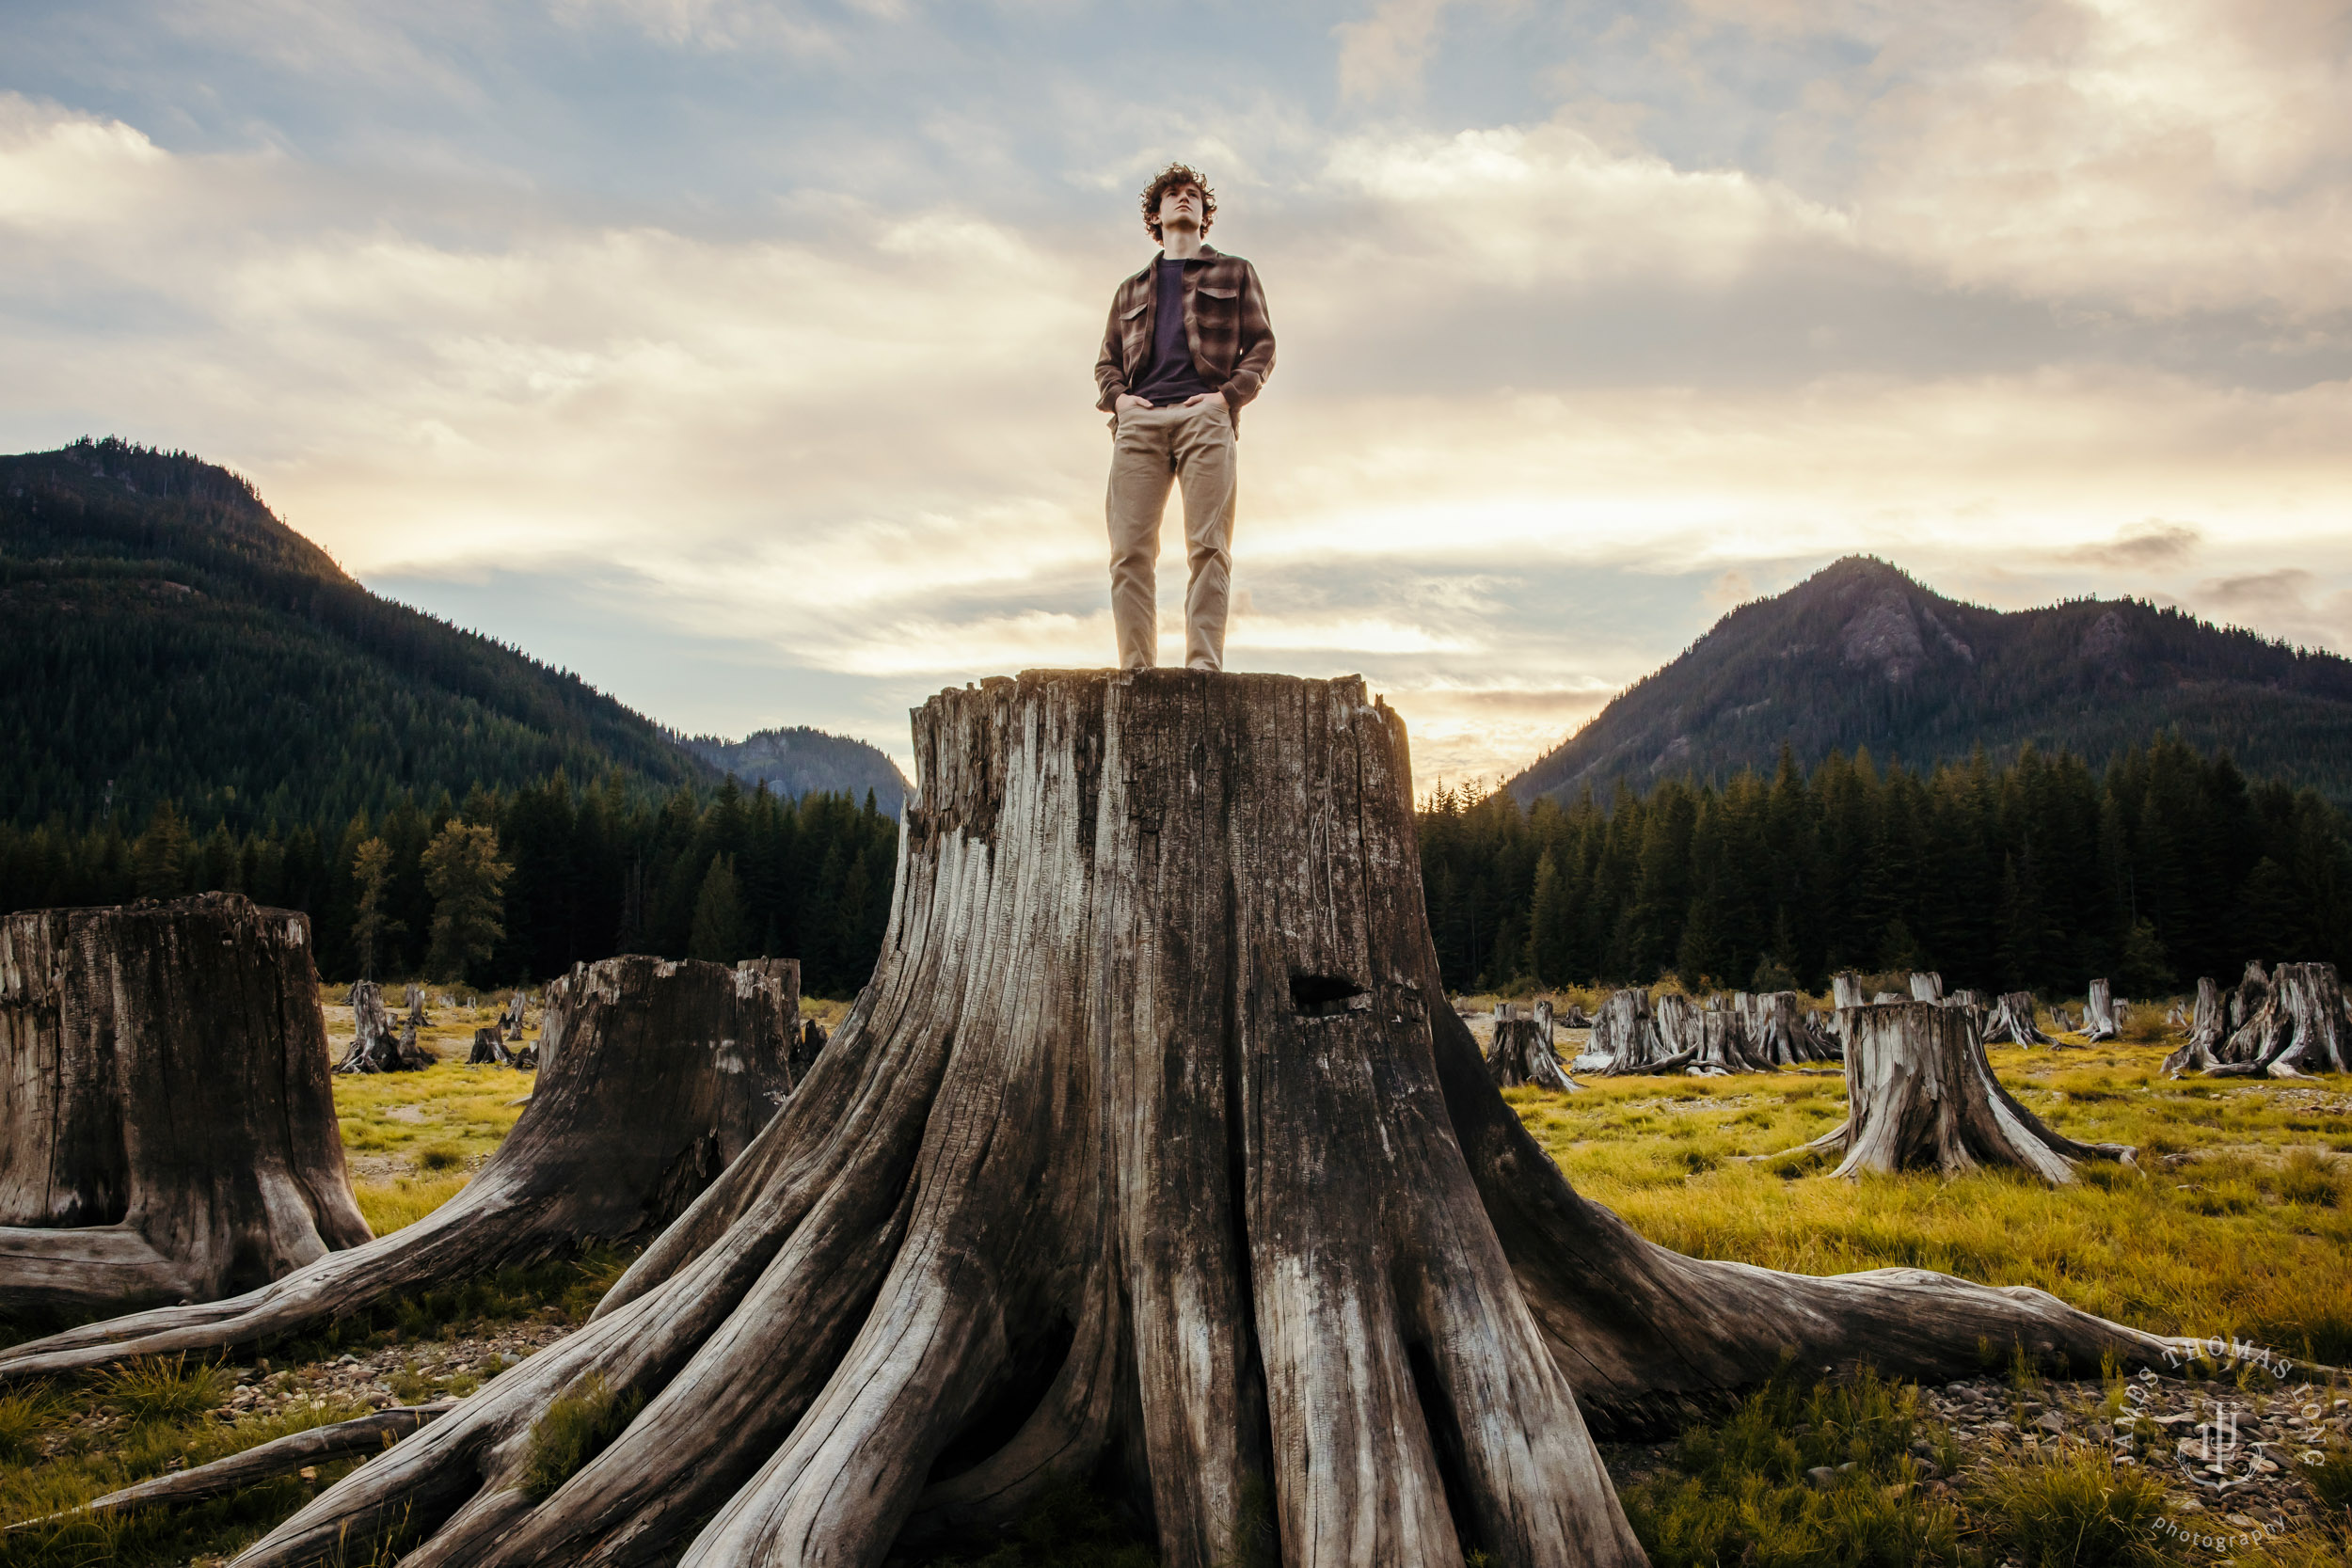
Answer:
(1861, 654)
(797, 761)
(163, 636)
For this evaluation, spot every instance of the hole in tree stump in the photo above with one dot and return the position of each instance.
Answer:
(1008, 1407)
(1325, 995)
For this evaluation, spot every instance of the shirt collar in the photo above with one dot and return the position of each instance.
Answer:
(1208, 253)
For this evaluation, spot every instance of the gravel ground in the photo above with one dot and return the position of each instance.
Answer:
(2227, 1457)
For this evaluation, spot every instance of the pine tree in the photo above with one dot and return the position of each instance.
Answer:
(720, 933)
(159, 859)
(463, 872)
(368, 922)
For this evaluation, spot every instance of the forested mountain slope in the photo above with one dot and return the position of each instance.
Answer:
(163, 636)
(800, 761)
(1860, 654)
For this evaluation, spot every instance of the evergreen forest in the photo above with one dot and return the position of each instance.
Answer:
(2041, 875)
(565, 876)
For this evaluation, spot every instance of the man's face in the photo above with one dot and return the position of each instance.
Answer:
(1180, 207)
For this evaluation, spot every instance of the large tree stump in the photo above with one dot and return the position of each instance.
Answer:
(654, 1075)
(2202, 1032)
(2013, 1022)
(166, 1125)
(2299, 1030)
(1520, 1051)
(1921, 1096)
(1108, 1174)
(2099, 1023)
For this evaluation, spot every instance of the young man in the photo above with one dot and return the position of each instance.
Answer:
(1188, 343)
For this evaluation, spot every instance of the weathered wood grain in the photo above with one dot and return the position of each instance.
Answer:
(167, 1127)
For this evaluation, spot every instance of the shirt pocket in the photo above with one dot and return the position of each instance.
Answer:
(1131, 335)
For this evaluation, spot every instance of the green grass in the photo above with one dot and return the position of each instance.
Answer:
(151, 1388)
(412, 1137)
(2249, 1234)
(2330, 1480)
(159, 1421)
(1739, 1492)
(2074, 1509)
(576, 1428)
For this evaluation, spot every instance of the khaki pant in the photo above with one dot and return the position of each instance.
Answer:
(1152, 447)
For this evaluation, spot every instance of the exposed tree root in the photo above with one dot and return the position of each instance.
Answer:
(359, 1436)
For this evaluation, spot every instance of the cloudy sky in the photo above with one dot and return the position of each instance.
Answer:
(738, 354)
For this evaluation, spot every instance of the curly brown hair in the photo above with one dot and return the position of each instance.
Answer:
(1168, 180)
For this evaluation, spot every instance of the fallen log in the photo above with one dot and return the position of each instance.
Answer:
(166, 1125)
(1921, 1096)
(657, 1075)
(1110, 1175)
(361, 1436)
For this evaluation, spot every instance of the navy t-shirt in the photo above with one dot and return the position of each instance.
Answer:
(1172, 377)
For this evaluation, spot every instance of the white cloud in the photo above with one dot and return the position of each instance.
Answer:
(855, 431)
(1520, 207)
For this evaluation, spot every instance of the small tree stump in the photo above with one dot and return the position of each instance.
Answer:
(1920, 1096)
(1926, 986)
(377, 1045)
(658, 1074)
(1776, 1031)
(2013, 1022)
(1845, 989)
(811, 1044)
(1520, 1055)
(167, 1127)
(1621, 1034)
(2204, 1031)
(511, 1020)
(490, 1048)
(2248, 998)
(2300, 1030)
(2099, 1023)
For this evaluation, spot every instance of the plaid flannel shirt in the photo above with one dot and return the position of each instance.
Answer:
(1225, 319)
